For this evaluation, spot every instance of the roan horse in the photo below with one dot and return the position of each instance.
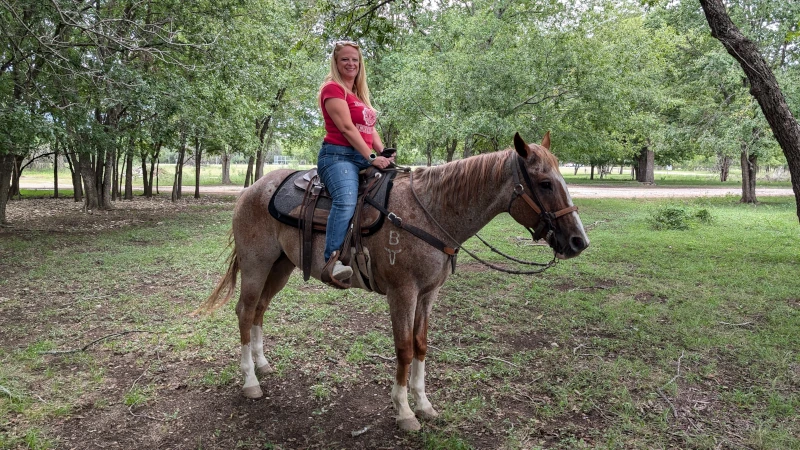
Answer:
(460, 197)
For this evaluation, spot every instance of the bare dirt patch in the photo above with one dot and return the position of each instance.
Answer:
(66, 216)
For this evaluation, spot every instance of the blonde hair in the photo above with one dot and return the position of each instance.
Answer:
(360, 87)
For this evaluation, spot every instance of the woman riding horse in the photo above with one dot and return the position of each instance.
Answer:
(347, 147)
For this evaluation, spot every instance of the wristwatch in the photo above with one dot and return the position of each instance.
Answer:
(372, 157)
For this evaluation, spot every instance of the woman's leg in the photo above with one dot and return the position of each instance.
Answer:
(341, 180)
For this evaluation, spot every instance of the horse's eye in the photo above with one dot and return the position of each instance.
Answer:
(546, 185)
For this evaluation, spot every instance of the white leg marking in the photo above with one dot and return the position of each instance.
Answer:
(400, 401)
(257, 346)
(417, 384)
(248, 368)
(423, 407)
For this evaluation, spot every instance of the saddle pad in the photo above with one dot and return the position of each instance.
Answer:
(285, 204)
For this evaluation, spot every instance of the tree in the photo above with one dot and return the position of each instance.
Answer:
(763, 86)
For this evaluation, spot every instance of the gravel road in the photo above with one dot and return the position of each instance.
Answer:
(577, 191)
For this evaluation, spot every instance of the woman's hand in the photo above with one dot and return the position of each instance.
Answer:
(381, 162)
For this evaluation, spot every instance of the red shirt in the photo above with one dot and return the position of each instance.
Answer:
(363, 116)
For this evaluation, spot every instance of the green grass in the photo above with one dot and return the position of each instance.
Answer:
(601, 351)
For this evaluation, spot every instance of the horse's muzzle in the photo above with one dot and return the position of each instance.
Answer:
(571, 247)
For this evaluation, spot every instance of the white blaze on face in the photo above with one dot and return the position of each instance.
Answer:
(575, 213)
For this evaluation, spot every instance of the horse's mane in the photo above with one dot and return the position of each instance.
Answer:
(458, 181)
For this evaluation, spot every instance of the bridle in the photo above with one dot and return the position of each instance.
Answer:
(546, 226)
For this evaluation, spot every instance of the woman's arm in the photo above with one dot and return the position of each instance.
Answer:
(377, 143)
(340, 114)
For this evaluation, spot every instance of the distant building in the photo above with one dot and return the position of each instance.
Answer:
(283, 160)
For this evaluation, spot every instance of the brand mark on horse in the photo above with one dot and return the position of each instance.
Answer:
(392, 255)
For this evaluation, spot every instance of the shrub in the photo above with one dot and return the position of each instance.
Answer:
(670, 218)
(704, 216)
(678, 218)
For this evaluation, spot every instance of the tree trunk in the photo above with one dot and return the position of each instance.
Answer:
(100, 163)
(429, 153)
(6, 172)
(154, 169)
(55, 170)
(468, 146)
(645, 171)
(249, 175)
(724, 168)
(77, 189)
(16, 173)
(198, 153)
(88, 173)
(749, 169)
(591, 173)
(108, 172)
(116, 178)
(763, 86)
(451, 149)
(129, 172)
(226, 167)
(176, 183)
(147, 192)
(259, 168)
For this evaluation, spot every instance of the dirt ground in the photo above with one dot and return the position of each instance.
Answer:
(359, 417)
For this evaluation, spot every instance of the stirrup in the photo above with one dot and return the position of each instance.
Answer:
(327, 273)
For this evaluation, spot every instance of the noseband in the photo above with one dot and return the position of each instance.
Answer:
(546, 226)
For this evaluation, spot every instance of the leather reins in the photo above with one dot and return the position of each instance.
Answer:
(546, 219)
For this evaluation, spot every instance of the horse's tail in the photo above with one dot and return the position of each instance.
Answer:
(226, 286)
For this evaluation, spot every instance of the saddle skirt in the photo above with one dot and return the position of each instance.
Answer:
(287, 202)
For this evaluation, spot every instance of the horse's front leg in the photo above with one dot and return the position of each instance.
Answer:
(402, 309)
(423, 407)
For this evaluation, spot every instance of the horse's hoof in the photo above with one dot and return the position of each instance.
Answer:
(409, 424)
(252, 392)
(265, 369)
(426, 413)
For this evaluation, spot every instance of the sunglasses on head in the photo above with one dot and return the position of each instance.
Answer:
(338, 44)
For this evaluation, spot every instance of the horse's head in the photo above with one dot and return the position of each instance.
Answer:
(541, 200)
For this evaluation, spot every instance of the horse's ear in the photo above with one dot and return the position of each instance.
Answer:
(546, 140)
(520, 145)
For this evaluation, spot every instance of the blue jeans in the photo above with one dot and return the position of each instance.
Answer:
(338, 168)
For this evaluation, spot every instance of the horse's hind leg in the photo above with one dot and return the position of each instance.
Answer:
(255, 279)
(276, 280)
(423, 407)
